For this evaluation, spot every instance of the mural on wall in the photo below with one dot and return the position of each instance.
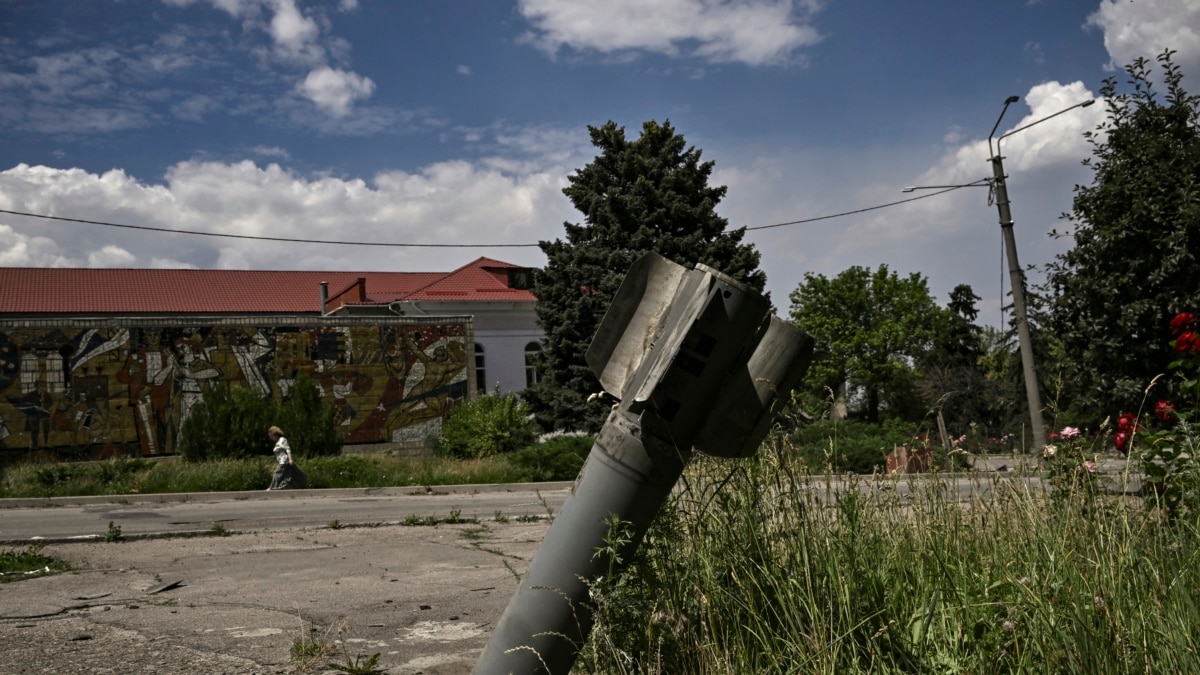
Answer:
(107, 391)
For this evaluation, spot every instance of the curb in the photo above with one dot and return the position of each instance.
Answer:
(255, 495)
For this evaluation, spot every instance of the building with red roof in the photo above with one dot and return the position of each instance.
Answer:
(113, 359)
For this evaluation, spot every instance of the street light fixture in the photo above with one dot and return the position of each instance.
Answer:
(1017, 279)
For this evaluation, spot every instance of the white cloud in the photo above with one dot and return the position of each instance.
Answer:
(296, 39)
(111, 256)
(463, 70)
(754, 32)
(446, 202)
(1146, 27)
(295, 34)
(271, 151)
(1048, 149)
(21, 250)
(335, 91)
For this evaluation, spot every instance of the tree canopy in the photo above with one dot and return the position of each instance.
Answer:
(636, 196)
(870, 328)
(1137, 236)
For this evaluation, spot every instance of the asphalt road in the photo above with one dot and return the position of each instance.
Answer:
(66, 518)
(81, 518)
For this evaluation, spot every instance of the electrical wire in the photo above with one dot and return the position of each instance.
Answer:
(403, 245)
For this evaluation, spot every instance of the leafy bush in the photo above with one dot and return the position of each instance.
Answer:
(850, 446)
(557, 458)
(232, 423)
(491, 424)
(308, 421)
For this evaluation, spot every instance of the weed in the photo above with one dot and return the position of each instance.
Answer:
(411, 520)
(500, 517)
(474, 533)
(545, 505)
(335, 524)
(114, 533)
(219, 530)
(29, 563)
(312, 646)
(430, 521)
(361, 665)
(455, 516)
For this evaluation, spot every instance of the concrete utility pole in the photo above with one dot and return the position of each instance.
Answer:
(997, 183)
(1017, 279)
(699, 363)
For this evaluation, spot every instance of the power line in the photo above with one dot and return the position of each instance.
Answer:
(851, 213)
(198, 233)
(402, 245)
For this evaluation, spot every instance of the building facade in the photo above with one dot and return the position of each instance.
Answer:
(100, 363)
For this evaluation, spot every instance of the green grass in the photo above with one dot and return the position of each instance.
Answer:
(759, 568)
(139, 476)
(17, 564)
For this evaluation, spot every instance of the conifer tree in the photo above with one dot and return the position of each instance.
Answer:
(636, 196)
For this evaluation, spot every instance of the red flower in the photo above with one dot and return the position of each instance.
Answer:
(1164, 410)
(1187, 342)
(1125, 423)
(1182, 320)
(1120, 440)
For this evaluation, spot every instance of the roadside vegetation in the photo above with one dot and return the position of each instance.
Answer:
(28, 563)
(759, 568)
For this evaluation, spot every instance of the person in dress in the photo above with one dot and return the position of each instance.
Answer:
(287, 474)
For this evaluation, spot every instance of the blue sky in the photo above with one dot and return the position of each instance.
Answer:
(458, 122)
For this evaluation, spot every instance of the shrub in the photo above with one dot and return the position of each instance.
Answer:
(557, 458)
(851, 446)
(308, 421)
(232, 421)
(491, 424)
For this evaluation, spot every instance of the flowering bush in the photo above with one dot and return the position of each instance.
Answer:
(1069, 463)
(1165, 443)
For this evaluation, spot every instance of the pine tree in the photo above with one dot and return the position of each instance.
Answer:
(648, 194)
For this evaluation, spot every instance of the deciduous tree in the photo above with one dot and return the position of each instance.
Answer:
(869, 328)
(1137, 237)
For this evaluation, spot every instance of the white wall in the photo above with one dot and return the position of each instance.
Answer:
(503, 328)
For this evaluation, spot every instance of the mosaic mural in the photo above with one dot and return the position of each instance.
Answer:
(88, 391)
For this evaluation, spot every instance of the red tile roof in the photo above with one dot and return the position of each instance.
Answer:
(28, 290)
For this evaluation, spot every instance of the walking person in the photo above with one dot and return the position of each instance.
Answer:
(287, 474)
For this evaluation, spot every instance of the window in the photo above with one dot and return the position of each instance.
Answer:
(480, 373)
(532, 351)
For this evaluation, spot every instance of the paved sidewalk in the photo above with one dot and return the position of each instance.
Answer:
(425, 598)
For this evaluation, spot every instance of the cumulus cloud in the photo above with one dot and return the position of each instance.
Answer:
(295, 35)
(1146, 27)
(1049, 148)
(335, 91)
(297, 40)
(754, 32)
(110, 256)
(446, 202)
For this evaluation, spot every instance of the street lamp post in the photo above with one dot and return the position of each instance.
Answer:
(1017, 278)
(998, 184)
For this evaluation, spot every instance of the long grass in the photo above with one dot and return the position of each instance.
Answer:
(140, 476)
(761, 568)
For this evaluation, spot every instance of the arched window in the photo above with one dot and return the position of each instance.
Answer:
(480, 373)
(532, 350)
